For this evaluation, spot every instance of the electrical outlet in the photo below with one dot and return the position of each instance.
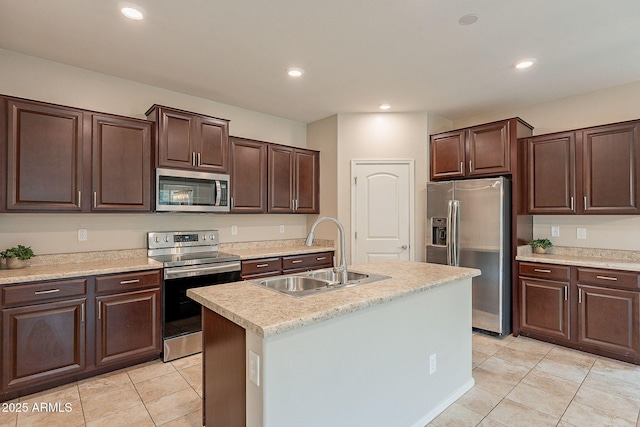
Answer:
(555, 231)
(282, 229)
(254, 368)
(432, 364)
(234, 230)
(82, 234)
(581, 233)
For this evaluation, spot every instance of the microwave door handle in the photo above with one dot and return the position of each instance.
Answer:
(218, 193)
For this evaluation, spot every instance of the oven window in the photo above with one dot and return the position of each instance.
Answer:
(181, 314)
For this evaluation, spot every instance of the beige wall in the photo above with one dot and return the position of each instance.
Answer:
(34, 78)
(383, 136)
(322, 135)
(595, 108)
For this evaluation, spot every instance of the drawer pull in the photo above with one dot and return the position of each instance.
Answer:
(539, 270)
(579, 296)
(49, 291)
(99, 310)
(566, 293)
(262, 265)
(129, 282)
(296, 261)
(607, 278)
(321, 258)
(82, 312)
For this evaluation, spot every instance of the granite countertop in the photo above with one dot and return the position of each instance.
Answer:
(36, 273)
(584, 257)
(267, 313)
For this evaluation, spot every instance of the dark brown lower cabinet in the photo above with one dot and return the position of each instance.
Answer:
(594, 310)
(59, 331)
(127, 325)
(609, 319)
(223, 358)
(43, 342)
(545, 307)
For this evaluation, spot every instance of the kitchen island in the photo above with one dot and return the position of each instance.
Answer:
(360, 355)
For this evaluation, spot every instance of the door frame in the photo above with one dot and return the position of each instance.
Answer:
(353, 225)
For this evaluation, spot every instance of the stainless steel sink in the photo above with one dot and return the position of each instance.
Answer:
(294, 283)
(329, 274)
(313, 282)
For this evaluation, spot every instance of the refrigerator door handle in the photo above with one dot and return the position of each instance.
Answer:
(454, 233)
(449, 231)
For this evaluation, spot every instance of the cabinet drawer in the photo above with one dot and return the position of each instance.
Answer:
(261, 266)
(545, 271)
(628, 280)
(40, 291)
(127, 281)
(318, 260)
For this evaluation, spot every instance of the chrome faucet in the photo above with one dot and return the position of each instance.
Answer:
(342, 268)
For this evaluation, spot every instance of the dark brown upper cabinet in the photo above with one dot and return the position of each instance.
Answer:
(62, 159)
(248, 172)
(586, 171)
(121, 164)
(46, 156)
(483, 150)
(294, 176)
(190, 141)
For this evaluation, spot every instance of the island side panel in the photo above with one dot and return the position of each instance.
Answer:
(371, 367)
(223, 371)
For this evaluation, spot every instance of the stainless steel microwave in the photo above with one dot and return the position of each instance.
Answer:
(191, 191)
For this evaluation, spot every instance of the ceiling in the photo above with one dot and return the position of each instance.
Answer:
(356, 54)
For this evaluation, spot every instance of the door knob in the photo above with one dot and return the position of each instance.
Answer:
(404, 247)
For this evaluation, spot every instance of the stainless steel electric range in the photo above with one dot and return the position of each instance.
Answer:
(191, 259)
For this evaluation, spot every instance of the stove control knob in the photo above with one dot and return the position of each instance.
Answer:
(204, 237)
(212, 237)
(166, 239)
(157, 239)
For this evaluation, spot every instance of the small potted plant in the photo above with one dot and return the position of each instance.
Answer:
(17, 256)
(540, 246)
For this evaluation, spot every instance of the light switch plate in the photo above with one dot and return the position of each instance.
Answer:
(234, 230)
(581, 233)
(82, 234)
(555, 231)
(254, 368)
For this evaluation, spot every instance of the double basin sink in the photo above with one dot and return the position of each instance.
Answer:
(313, 282)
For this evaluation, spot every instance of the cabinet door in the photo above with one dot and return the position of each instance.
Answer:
(489, 149)
(545, 307)
(175, 139)
(248, 171)
(611, 179)
(212, 145)
(42, 342)
(609, 319)
(127, 326)
(551, 174)
(121, 164)
(447, 151)
(306, 181)
(44, 157)
(281, 175)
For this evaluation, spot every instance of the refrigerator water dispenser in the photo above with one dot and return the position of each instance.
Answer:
(439, 231)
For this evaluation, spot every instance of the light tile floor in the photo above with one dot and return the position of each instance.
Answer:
(519, 382)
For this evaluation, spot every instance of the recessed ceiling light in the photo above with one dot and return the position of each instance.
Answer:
(384, 106)
(468, 19)
(295, 72)
(525, 63)
(132, 13)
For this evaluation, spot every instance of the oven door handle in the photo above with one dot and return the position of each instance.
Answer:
(178, 272)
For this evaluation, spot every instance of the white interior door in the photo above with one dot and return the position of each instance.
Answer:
(381, 210)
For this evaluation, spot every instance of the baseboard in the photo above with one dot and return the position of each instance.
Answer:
(445, 403)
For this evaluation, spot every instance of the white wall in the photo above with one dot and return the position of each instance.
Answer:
(33, 78)
(369, 136)
(610, 105)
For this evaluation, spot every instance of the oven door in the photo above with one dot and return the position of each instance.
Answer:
(181, 316)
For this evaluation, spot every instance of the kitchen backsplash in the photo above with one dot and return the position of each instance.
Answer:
(586, 252)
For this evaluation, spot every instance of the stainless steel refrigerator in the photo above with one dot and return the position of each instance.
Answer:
(468, 225)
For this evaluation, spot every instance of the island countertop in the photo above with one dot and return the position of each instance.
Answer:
(266, 312)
